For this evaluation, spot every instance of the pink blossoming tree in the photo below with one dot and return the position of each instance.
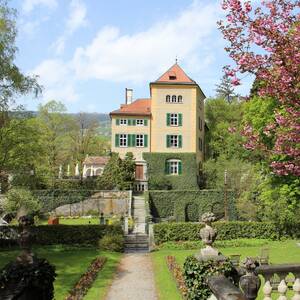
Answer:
(265, 41)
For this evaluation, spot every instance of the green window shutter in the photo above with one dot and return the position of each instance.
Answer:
(167, 168)
(129, 122)
(117, 121)
(179, 119)
(180, 141)
(117, 140)
(133, 122)
(179, 167)
(168, 141)
(145, 122)
(145, 140)
(129, 140)
(133, 141)
(168, 119)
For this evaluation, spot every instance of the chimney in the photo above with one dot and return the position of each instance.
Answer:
(128, 95)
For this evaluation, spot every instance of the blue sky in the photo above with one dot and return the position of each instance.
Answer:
(86, 52)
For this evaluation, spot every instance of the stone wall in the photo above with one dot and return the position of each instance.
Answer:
(116, 202)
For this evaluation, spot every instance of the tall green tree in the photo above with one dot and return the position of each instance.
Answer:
(225, 89)
(12, 81)
(56, 126)
(84, 139)
(224, 121)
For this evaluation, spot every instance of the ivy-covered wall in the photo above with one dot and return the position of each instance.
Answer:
(189, 205)
(158, 179)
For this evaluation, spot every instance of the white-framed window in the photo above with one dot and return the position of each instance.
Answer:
(123, 142)
(179, 99)
(174, 167)
(174, 141)
(174, 99)
(139, 140)
(123, 121)
(168, 98)
(140, 122)
(174, 119)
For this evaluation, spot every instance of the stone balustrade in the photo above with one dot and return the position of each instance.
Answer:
(278, 280)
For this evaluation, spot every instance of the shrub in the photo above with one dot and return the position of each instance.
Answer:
(188, 205)
(112, 243)
(166, 232)
(69, 234)
(20, 198)
(196, 274)
(37, 278)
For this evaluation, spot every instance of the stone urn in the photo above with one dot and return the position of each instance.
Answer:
(250, 283)
(208, 236)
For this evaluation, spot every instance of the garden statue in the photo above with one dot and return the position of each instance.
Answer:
(208, 236)
(25, 240)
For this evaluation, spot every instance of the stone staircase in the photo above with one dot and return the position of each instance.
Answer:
(137, 241)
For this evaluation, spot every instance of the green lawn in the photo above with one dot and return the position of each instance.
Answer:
(75, 221)
(280, 252)
(70, 263)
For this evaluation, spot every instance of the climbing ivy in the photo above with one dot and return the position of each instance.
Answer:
(158, 179)
(189, 205)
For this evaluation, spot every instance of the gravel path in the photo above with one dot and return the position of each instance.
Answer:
(134, 280)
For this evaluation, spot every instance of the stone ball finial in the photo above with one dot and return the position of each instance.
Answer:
(208, 217)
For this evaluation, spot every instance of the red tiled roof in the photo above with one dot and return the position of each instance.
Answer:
(175, 75)
(138, 107)
(96, 160)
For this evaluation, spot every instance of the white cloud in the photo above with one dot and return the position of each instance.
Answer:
(76, 19)
(139, 57)
(57, 79)
(143, 55)
(29, 5)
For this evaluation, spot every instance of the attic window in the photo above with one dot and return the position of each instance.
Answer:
(172, 76)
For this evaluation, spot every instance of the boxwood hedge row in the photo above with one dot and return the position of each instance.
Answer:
(165, 232)
(68, 234)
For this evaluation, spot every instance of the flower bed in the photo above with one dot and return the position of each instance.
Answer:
(86, 280)
(176, 271)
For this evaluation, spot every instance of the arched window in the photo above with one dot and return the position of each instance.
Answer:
(173, 99)
(179, 99)
(173, 167)
(168, 98)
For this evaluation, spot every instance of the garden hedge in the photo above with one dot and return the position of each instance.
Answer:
(189, 205)
(69, 234)
(50, 199)
(156, 171)
(166, 232)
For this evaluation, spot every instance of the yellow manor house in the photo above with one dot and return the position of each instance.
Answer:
(170, 123)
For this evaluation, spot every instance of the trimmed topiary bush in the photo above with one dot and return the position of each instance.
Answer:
(112, 243)
(197, 272)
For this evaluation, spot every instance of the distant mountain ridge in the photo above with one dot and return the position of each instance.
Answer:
(102, 118)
